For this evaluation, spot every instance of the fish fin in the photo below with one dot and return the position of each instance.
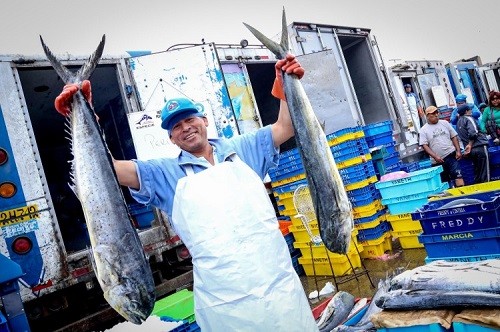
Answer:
(280, 50)
(83, 73)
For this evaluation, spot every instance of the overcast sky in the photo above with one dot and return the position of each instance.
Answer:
(445, 30)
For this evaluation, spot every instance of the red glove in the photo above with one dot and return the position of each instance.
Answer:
(62, 102)
(290, 65)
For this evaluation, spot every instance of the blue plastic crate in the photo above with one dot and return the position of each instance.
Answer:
(425, 163)
(436, 327)
(409, 203)
(371, 218)
(295, 262)
(374, 129)
(464, 327)
(474, 243)
(289, 187)
(380, 139)
(391, 159)
(470, 212)
(341, 132)
(3, 323)
(358, 201)
(142, 214)
(359, 144)
(424, 180)
(494, 154)
(289, 241)
(287, 175)
(476, 258)
(373, 233)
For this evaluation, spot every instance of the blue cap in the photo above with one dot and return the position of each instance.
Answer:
(407, 85)
(460, 97)
(482, 105)
(178, 109)
(462, 109)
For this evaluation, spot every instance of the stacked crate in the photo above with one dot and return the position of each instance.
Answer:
(383, 147)
(353, 158)
(464, 227)
(350, 152)
(403, 196)
(494, 154)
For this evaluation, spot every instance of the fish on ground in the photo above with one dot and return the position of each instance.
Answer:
(331, 205)
(442, 284)
(120, 265)
(336, 311)
(365, 323)
(449, 276)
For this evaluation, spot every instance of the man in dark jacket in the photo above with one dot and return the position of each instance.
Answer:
(475, 143)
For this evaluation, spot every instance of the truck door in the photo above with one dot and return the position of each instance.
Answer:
(193, 72)
(426, 82)
(491, 80)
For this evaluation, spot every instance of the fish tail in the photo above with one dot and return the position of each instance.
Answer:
(281, 49)
(83, 73)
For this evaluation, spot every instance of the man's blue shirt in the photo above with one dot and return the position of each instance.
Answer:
(158, 177)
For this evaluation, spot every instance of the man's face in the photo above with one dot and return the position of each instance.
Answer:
(460, 102)
(190, 134)
(433, 117)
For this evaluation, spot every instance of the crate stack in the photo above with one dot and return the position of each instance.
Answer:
(494, 154)
(351, 154)
(381, 143)
(353, 158)
(464, 227)
(404, 195)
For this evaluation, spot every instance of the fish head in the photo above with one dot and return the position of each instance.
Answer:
(133, 300)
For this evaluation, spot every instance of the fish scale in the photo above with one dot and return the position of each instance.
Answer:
(119, 262)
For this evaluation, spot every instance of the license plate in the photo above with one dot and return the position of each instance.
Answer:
(18, 215)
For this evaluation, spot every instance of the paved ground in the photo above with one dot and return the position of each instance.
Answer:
(377, 269)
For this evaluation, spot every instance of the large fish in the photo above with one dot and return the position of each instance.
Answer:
(442, 284)
(119, 261)
(332, 207)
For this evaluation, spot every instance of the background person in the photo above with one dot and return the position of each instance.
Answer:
(461, 99)
(490, 121)
(216, 201)
(440, 141)
(414, 106)
(475, 143)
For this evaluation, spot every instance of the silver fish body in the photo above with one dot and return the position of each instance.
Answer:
(331, 204)
(441, 284)
(120, 265)
(336, 311)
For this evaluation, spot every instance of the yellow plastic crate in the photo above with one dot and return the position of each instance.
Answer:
(376, 247)
(354, 161)
(474, 188)
(346, 137)
(300, 234)
(361, 184)
(408, 239)
(367, 210)
(371, 224)
(321, 251)
(288, 180)
(287, 203)
(403, 222)
(322, 265)
(403, 216)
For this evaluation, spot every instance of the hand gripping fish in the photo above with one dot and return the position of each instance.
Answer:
(332, 207)
(120, 264)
